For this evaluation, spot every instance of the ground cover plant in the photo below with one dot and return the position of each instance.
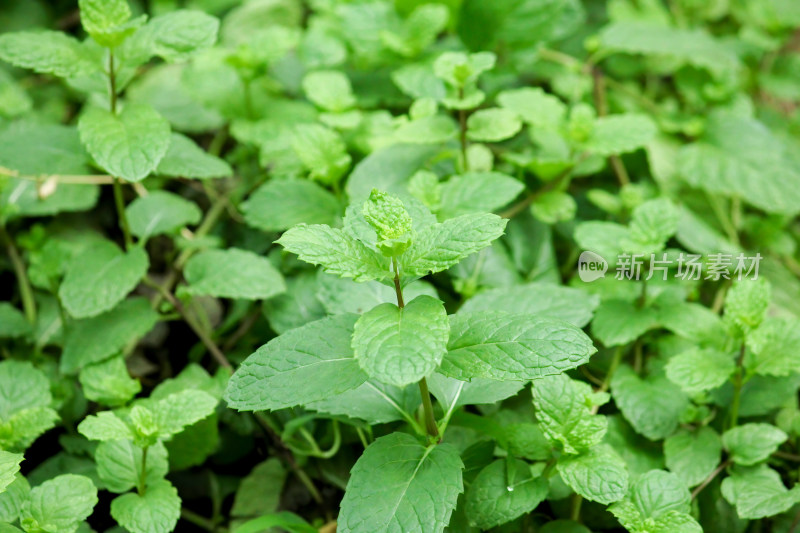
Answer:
(399, 266)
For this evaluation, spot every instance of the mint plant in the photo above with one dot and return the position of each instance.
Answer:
(457, 266)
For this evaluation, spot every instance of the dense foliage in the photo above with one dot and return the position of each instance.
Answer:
(400, 266)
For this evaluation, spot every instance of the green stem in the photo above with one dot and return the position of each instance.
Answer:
(462, 126)
(142, 488)
(198, 520)
(25, 290)
(123, 217)
(575, 512)
(737, 388)
(112, 83)
(427, 404)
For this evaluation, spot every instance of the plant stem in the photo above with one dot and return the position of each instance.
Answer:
(709, 479)
(427, 405)
(112, 82)
(737, 388)
(462, 126)
(142, 488)
(25, 290)
(123, 218)
(601, 103)
(575, 512)
(197, 520)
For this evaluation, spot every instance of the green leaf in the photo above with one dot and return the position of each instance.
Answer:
(16, 495)
(390, 487)
(178, 35)
(48, 52)
(563, 526)
(500, 345)
(159, 213)
(433, 129)
(503, 492)
(119, 464)
(94, 340)
(545, 299)
(20, 430)
(740, 157)
(283, 519)
(758, 492)
(330, 90)
(651, 226)
(534, 106)
(322, 152)
(563, 414)
(387, 169)
(401, 346)
(109, 383)
(388, 217)
(746, 304)
(693, 455)
(442, 245)
(493, 125)
(459, 69)
(24, 387)
(697, 369)
(339, 295)
(692, 46)
(419, 30)
(184, 159)
(773, 348)
(129, 145)
(105, 20)
(297, 306)
(619, 322)
(9, 466)
(157, 511)
(750, 444)
(598, 474)
(260, 491)
(104, 426)
(373, 401)
(657, 503)
(60, 504)
(233, 273)
(653, 405)
(620, 134)
(336, 251)
(477, 192)
(12, 322)
(307, 364)
(554, 206)
(280, 204)
(452, 393)
(181, 409)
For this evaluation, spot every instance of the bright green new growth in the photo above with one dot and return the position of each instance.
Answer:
(390, 220)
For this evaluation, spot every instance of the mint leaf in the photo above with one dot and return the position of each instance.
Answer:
(12, 322)
(657, 503)
(336, 251)
(620, 134)
(157, 511)
(304, 365)
(177, 411)
(280, 204)
(105, 20)
(104, 426)
(442, 245)
(60, 504)
(653, 405)
(562, 412)
(598, 474)
(758, 492)
(750, 444)
(373, 401)
(390, 487)
(618, 322)
(129, 145)
(48, 52)
(493, 125)
(477, 192)
(534, 106)
(232, 273)
(119, 464)
(9, 466)
(746, 304)
(260, 492)
(24, 387)
(452, 393)
(401, 346)
(697, 370)
(184, 159)
(99, 278)
(772, 348)
(178, 35)
(652, 224)
(552, 301)
(693, 455)
(494, 499)
(322, 152)
(499, 345)
(95, 339)
(330, 90)
(740, 157)
(388, 217)
(160, 212)
(109, 383)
